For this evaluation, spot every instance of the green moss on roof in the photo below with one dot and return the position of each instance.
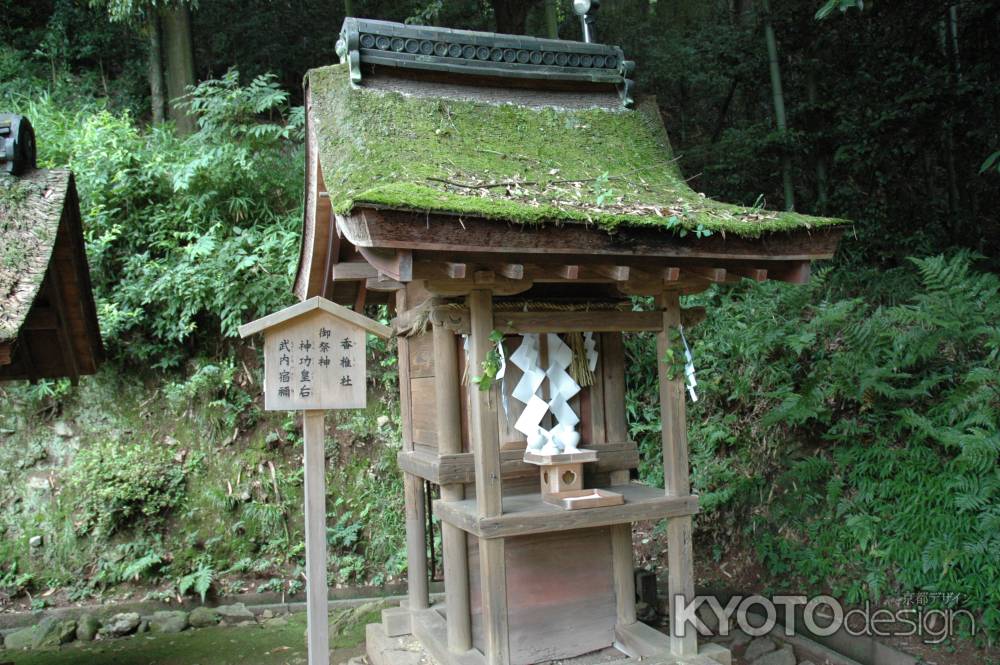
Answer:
(609, 168)
(30, 210)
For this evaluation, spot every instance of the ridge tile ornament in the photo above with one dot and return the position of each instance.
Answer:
(371, 42)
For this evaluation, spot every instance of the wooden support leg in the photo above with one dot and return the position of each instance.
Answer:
(485, 438)
(680, 582)
(493, 574)
(624, 577)
(416, 541)
(448, 390)
(315, 491)
(456, 588)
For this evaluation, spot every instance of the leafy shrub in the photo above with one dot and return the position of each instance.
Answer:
(858, 442)
(121, 484)
(186, 237)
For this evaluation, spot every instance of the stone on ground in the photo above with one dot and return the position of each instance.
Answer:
(20, 639)
(758, 648)
(121, 624)
(168, 622)
(783, 656)
(51, 632)
(738, 639)
(87, 627)
(203, 617)
(235, 614)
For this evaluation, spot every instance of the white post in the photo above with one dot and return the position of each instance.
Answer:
(315, 510)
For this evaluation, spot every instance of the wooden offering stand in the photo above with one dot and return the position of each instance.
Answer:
(562, 481)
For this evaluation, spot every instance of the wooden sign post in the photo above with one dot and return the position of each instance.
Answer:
(314, 360)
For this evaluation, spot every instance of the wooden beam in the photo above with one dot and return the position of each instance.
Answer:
(512, 270)
(442, 469)
(570, 272)
(360, 298)
(381, 284)
(397, 264)
(579, 321)
(527, 514)
(671, 274)
(500, 286)
(455, 270)
(680, 583)
(795, 273)
(756, 274)
(711, 274)
(373, 227)
(484, 277)
(5, 353)
(354, 270)
(614, 273)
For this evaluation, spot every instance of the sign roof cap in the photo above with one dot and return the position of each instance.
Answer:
(310, 305)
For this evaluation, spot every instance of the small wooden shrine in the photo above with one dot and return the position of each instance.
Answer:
(506, 200)
(48, 322)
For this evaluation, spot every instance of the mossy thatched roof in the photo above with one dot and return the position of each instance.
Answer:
(601, 166)
(31, 207)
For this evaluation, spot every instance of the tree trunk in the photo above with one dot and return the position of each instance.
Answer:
(348, 8)
(180, 63)
(951, 50)
(551, 19)
(779, 104)
(155, 66)
(820, 162)
(512, 15)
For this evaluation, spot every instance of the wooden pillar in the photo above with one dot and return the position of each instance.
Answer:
(416, 541)
(448, 394)
(315, 491)
(414, 496)
(613, 365)
(486, 449)
(680, 556)
(623, 573)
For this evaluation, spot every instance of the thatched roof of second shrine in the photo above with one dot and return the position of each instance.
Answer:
(525, 163)
(31, 208)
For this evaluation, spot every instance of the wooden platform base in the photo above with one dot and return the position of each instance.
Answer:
(428, 646)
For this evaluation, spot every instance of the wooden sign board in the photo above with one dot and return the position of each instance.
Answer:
(314, 356)
(316, 361)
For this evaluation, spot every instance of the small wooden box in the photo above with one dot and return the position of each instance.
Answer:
(579, 499)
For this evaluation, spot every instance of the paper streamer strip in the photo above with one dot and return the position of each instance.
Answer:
(562, 387)
(689, 367)
(590, 345)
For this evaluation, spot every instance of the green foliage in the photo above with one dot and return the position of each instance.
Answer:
(833, 5)
(198, 580)
(186, 238)
(490, 364)
(121, 483)
(861, 441)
